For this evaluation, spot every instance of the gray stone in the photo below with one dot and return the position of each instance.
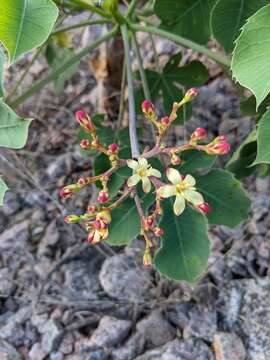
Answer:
(52, 335)
(6, 282)
(12, 204)
(155, 329)
(121, 278)
(133, 347)
(228, 346)
(8, 352)
(60, 167)
(36, 352)
(110, 332)
(56, 356)
(15, 235)
(67, 344)
(190, 349)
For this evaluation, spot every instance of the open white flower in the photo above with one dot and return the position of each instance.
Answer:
(141, 172)
(182, 188)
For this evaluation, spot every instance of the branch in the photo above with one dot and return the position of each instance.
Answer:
(59, 30)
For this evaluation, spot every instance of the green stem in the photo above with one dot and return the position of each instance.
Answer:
(221, 60)
(38, 86)
(81, 24)
(135, 150)
(92, 8)
(131, 8)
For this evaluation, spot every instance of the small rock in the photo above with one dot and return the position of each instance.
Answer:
(110, 332)
(262, 184)
(36, 352)
(155, 329)
(121, 278)
(60, 167)
(8, 352)
(133, 347)
(228, 346)
(12, 204)
(56, 356)
(190, 349)
(52, 334)
(6, 282)
(17, 234)
(67, 344)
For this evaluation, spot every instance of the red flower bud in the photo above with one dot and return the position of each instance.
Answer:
(148, 108)
(220, 139)
(97, 224)
(85, 144)
(199, 134)
(175, 160)
(113, 148)
(191, 94)
(165, 121)
(149, 221)
(158, 231)
(68, 191)
(71, 219)
(91, 209)
(82, 182)
(103, 196)
(84, 121)
(221, 148)
(204, 208)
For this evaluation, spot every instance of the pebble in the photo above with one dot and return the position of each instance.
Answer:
(228, 346)
(37, 353)
(52, 336)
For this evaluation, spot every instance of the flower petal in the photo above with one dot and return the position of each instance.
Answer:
(153, 172)
(167, 191)
(174, 176)
(194, 197)
(96, 237)
(190, 180)
(146, 184)
(143, 162)
(179, 205)
(133, 164)
(133, 180)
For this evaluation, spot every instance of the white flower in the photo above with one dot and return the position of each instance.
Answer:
(141, 172)
(182, 188)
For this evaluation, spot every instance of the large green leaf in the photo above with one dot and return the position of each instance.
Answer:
(184, 246)
(243, 157)
(263, 140)
(229, 202)
(2, 64)
(193, 160)
(13, 129)
(126, 225)
(228, 16)
(188, 18)
(250, 62)
(25, 24)
(3, 189)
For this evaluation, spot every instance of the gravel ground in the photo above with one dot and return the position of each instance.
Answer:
(64, 300)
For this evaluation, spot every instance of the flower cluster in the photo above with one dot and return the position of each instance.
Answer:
(182, 187)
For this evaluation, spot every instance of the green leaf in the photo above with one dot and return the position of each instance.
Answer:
(228, 16)
(244, 156)
(25, 24)
(3, 189)
(187, 18)
(228, 201)
(263, 140)
(126, 225)
(2, 63)
(184, 248)
(250, 62)
(13, 129)
(193, 160)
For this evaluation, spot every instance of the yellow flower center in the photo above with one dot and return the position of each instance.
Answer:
(180, 188)
(141, 172)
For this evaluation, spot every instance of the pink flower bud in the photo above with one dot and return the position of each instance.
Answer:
(113, 148)
(165, 121)
(68, 191)
(220, 139)
(149, 221)
(158, 231)
(85, 144)
(90, 237)
(82, 182)
(103, 196)
(204, 208)
(191, 94)
(84, 121)
(221, 148)
(199, 134)
(97, 224)
(175, 160)
(91, 209)
(148, 108)
(72, 219)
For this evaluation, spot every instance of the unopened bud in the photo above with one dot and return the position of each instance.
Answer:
(204, 208)
(72, 219)
(198, 134)
(113, 148)
(97, 224)
(82, 181)
(218, 149)
(149, 221)
(148, 108)
(68, 191)
(85, 144)
(103, 196)
(158, 231)
(165, 121)
(175, 160)
(91, 209)
(84, 121)
(147, 258)
(191, 94)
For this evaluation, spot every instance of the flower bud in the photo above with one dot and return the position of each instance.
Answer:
(90, 237)
(91, 209)
(204, 208)
(97, 224)
(149, 221)
(191, 94)
(72, 219)
(113, 148)
(175, 159)
(198, 134)
(158, 231)
(84, 121)
(221, 148)
(148, 108)
(105, 216)
(85, 144)
(68, 191)
(82, 182)
(165, 121)
(147, 258)
(103, 196)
